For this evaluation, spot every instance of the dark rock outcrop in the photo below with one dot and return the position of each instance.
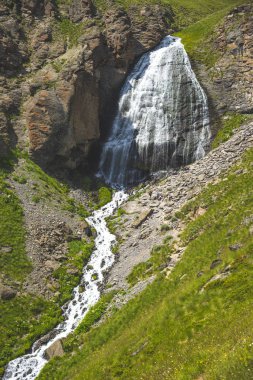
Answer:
(231, 79)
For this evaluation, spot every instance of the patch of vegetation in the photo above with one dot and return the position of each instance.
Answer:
(14, 262)
(69, 273)
(104, 196)
(20, 179)
(69, 31)
(165, 227)
(58, 65)
(198, 38)
(115, 220)
(186, 12)
(230, 123)
(175, 329)
(76, 208)
(23, 320)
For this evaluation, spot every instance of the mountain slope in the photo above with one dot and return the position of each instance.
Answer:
(192, 323)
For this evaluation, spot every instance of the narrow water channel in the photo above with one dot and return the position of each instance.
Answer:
(85, 295)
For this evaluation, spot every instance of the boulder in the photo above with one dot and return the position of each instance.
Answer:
(56, 349)
(7, 293)
(141, 218)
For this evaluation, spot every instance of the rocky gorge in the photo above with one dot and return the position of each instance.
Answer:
(62, 66)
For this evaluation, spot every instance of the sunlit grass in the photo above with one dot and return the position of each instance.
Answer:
(174, 329)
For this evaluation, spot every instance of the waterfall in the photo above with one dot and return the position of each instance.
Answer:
(162, 119)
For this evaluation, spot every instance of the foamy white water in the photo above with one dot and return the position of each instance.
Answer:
(27, 367)
(162, 117)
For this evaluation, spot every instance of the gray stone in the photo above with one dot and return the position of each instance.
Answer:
(215, 263)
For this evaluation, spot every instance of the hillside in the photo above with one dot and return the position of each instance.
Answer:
(195, 320)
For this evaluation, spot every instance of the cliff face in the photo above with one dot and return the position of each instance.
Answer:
(62, 70)
(230, 81)
(233, 72)
(62, 67)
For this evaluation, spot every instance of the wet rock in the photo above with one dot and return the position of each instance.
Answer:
(88, 231)
(56, 349)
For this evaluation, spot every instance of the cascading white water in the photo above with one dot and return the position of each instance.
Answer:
(29, 366)
(162, 117)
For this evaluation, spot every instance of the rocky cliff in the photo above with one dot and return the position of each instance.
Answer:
(64, 63)
(63, 67)
(230, 80)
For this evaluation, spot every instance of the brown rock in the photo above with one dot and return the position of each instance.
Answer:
(56, 349)
(46, 121)
(52, 265)
(81, 9)
(142, 217)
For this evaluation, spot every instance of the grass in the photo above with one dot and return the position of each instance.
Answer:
(69, 273)
(198, 38)
(115, 220)
(230, 123)
(186, 12)
(15, 265)
(104, 196)
(25, 317)
(22, 321)
(173, 330)
(70, 32)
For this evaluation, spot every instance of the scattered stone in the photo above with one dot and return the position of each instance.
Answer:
(52, 265)
(215, 263)
(6, 249)
(142, 218)
(199, 212)
(235, 247)
(73, 271)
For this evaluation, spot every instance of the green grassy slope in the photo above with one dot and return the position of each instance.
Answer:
(26, 317)
(186, 11)
(185, 327)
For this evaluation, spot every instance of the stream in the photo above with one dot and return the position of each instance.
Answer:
(85, 295)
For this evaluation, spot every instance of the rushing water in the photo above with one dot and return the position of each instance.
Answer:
(28, 366)
(162, 117)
